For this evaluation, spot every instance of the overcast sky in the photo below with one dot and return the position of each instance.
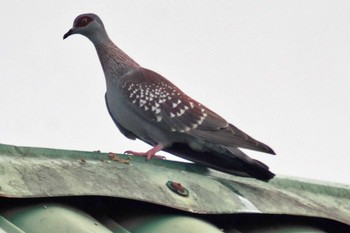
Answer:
(278, 70)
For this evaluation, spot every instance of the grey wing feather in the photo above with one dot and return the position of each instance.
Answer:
(229, 135)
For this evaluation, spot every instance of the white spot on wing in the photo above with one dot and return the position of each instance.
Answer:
(204, 113)
(201, 120)
(180, 113)
(142, 102)
(187, 129)
(176, 104)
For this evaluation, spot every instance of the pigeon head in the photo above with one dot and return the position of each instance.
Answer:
(89, 25)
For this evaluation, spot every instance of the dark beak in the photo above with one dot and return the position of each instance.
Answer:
(70, 32)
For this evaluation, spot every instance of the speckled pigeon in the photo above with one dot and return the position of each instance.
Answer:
(145, 105)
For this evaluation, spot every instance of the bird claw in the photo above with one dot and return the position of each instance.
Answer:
(144, 154)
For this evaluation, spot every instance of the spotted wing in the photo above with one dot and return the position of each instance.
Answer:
(157, 99)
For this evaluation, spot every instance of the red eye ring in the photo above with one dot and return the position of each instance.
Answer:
(83, 21)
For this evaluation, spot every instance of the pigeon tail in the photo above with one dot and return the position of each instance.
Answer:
(253, 167)
(229, 160)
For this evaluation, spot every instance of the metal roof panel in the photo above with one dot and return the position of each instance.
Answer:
(40, 172)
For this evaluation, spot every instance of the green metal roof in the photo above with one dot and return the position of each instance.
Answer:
(27, 172)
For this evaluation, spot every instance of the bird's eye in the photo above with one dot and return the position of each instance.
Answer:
(83, 21)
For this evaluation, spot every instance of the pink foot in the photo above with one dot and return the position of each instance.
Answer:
(149, 154)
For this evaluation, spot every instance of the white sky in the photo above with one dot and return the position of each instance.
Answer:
(278, 70)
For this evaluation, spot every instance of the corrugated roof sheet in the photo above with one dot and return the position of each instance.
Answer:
(27, 172)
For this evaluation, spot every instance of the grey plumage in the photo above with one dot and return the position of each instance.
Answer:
(145, 105)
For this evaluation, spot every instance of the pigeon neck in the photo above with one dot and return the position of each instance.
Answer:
(114, 61)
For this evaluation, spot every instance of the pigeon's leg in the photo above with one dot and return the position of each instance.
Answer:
(149, 154)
